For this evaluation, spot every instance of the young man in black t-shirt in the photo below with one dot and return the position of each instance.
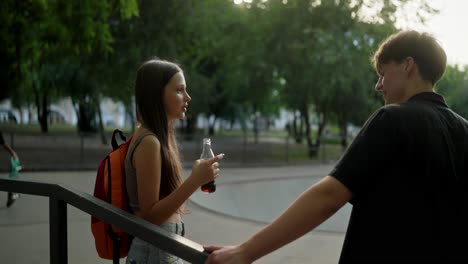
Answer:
(405, 173)
(15, 168)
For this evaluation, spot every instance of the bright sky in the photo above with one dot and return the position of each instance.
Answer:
(449, 27)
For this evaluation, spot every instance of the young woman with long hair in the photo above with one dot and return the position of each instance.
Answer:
(155, 187)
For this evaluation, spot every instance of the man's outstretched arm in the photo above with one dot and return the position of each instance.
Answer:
(312, 207)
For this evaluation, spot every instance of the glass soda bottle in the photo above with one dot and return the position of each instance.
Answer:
(207, 153)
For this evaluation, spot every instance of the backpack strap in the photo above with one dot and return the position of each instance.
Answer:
(115, 145)
(135, 143)
(116, 251)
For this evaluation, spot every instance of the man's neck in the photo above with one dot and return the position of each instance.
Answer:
(418, 86)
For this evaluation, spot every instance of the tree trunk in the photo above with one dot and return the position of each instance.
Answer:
(211, 127)
(211, 130)
(41, 108)
(129, 112)
(44, 113)
(312, 149)
(30, 114)
(86, 117)
(101, 123)
(298, 136)
(189, 129)
(344, 134)
(321, 127)
(21, 120)
(255, 129)
(37, 100)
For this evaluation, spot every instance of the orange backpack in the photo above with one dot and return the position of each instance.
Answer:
(111, 242)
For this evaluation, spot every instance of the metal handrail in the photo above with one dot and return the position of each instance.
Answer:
(60, 195)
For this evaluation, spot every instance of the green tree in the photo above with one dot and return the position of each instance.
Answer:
(454, 87)
(209, 56)
(319, 52)
(51, 43)
(89, 66)
(15, 18)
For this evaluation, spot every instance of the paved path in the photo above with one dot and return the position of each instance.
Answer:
(246, 199)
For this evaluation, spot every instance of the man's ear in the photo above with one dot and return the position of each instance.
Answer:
(410, 64)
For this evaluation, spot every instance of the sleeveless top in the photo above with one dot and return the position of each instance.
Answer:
(130, 172)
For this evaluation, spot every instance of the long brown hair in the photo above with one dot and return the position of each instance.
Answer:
(151, 80)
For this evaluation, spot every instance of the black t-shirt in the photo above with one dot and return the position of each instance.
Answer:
(2, 141)
(407, 170)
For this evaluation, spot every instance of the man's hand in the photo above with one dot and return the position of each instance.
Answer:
(226, 255)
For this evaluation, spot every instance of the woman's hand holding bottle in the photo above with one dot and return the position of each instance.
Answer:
(204, 171)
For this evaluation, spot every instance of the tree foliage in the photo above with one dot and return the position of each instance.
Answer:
(454, 86)
(241, 61)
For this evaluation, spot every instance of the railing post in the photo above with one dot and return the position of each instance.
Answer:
(58, 231)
